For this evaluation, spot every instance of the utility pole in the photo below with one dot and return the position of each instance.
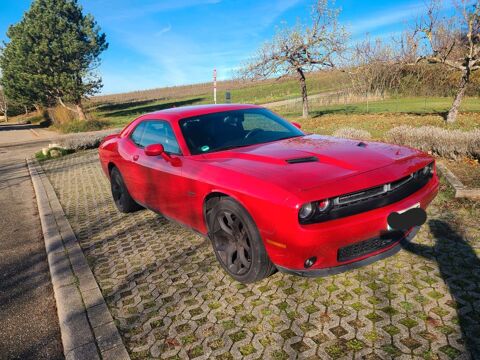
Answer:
(215, 86)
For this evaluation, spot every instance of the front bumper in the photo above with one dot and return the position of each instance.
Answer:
(353, 265)
(324, 240)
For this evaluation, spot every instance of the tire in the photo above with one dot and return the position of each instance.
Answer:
(120, 194)
(237, 243)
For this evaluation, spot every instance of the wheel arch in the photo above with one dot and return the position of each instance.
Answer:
(213, 198)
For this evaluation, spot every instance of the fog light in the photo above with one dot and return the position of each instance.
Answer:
(310, 261)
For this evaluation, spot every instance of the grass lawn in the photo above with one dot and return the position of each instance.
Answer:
(387, 114)
(467, 170)
(381, 115)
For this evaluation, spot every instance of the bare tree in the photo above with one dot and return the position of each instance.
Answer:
(453, 41)
(371, 67)
(300, 49)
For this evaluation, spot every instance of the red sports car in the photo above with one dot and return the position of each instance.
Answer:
(266, 194)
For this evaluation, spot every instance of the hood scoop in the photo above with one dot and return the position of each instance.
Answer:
(302, 160)
(362, 144)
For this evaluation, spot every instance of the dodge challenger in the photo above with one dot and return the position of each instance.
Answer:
(266, 194)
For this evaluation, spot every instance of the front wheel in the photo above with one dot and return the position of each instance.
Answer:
(237, 243)
(120, 194)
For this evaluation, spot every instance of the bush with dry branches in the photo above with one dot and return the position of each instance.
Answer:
(447, 143)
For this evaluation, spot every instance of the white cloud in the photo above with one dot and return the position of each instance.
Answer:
(165, 30)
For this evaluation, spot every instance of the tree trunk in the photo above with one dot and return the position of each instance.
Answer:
(77, 109)
(41, 111)
(453, 112)
(303, 85)
(80, 112)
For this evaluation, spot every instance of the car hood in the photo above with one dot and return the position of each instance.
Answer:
(309, 161)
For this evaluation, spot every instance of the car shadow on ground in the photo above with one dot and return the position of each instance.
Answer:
(459, 267)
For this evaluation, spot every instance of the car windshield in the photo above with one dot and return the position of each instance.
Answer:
(232, 129)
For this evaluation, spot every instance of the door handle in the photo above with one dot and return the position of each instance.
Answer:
(135, 157)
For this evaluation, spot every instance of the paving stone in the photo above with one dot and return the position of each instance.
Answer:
(117, 353)
(107, 336)
(99, 315)
(170, 298)
(92, 297)
(88, 351)
(72, 318)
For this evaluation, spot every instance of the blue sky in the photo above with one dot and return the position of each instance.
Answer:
(157, 43)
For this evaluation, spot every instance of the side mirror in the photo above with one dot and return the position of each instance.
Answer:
(154, 150)
(297, 125)
(159, 150)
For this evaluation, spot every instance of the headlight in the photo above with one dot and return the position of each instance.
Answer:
(306, 211)
(323, 205)
(428, 170)
(311, 209)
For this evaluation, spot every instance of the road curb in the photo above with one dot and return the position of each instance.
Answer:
(86, 325)
(461, 191)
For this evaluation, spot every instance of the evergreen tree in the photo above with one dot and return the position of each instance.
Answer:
(52, 55)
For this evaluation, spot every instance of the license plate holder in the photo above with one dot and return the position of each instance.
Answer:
(417, 205)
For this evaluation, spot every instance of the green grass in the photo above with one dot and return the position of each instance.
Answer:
(119, 114)
(77, 126)
(383, 116)
(412, 105)
(377, 117)
(40, 156)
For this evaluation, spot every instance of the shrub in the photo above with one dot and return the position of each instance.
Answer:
(51, 153)
(443, 142)
(60, 115)
(86, 140)
(77, 126)
(352, 133)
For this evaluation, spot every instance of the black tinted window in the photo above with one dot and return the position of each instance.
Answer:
(230, 129)
(156, 132)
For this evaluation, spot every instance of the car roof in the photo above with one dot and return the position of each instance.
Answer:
(182, 112)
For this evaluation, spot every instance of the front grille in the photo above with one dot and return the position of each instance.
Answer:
(372, 198)
(361, 195)
(362, 248)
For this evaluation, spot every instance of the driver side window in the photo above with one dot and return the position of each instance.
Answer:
(156, 132)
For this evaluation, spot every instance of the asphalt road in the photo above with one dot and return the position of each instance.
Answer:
(28, 316)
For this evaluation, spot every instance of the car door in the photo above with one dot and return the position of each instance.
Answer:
(130, 149)
(161, 179)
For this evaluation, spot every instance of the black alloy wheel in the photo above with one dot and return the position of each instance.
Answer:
(237, 242)
(120, 194)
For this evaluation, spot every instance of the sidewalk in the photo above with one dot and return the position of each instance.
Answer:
(28, 315)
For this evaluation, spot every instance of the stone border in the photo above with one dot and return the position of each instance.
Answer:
(461, 191)
(86, 325)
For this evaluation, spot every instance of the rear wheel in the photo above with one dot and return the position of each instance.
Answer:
(120, 194)
(237, 243)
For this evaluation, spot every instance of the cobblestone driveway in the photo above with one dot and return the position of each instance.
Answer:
(170, 299)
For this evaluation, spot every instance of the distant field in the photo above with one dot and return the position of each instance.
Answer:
(241, 91)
